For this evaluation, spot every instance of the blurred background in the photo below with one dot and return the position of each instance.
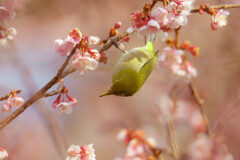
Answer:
(40, 133)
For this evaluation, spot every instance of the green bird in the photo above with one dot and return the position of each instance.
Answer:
(132, 70)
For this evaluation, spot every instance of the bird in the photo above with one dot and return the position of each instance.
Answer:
(133, 69)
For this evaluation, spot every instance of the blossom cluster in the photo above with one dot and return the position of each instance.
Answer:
(174, 60)
(13, 100)
(64, 102)
(86, 58)
(202, 146)
(3, 153)
(138, 147)
(172, 16)
(205, 148)
(182, 113)
(86, 152)
(7, 12)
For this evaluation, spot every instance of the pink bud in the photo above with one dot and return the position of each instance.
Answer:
(117, 25)
(6, 107)
(126, 39)
(201, 11)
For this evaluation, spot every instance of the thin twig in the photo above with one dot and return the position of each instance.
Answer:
(171, 125)
(223, 118)
(223, 6)
(9, 94)
(200, 102)
(55, 92)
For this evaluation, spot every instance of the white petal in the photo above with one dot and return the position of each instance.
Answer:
(130, 30)
(92, 64)
(154, 23)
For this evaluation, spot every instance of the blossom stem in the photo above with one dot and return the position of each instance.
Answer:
(223, 6)
(9, 94)
(177, 37)
(200, 101)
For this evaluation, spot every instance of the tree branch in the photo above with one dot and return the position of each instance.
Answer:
(9, 94)
(223, 6)
(200, 101)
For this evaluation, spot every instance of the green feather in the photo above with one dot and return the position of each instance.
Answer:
(132, 70)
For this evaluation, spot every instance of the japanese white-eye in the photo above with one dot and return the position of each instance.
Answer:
(132, 70)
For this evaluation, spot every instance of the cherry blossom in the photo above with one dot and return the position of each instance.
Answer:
(82, 63)
(64, 102)
(16, 101)
(93, 40)
(7, 107)
(219, 19)
(204, 147)
(200, 148)
(138, 147)
(13, 100)
(86, 152)
(73, 152)
(64, 47)
(3, 153)
(173, 60)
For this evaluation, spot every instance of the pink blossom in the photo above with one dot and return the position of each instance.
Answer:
(117, 25)
(88, 152)
(16, 101)
(187, 114)
(220, 19)
(64, 47)
(6, 34)
(170, 56)
(172, 60)
(165, 105)
(76, 35)
(3, 153)
(64, 102)
(82, 63)
(134, 149)
(204, 147)
(162, 16)
(151, 27)
(7, 107)
(200, 148)
(85, 152)
(93, 40)
(4, 14)
(74, 153)
(64, 107)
